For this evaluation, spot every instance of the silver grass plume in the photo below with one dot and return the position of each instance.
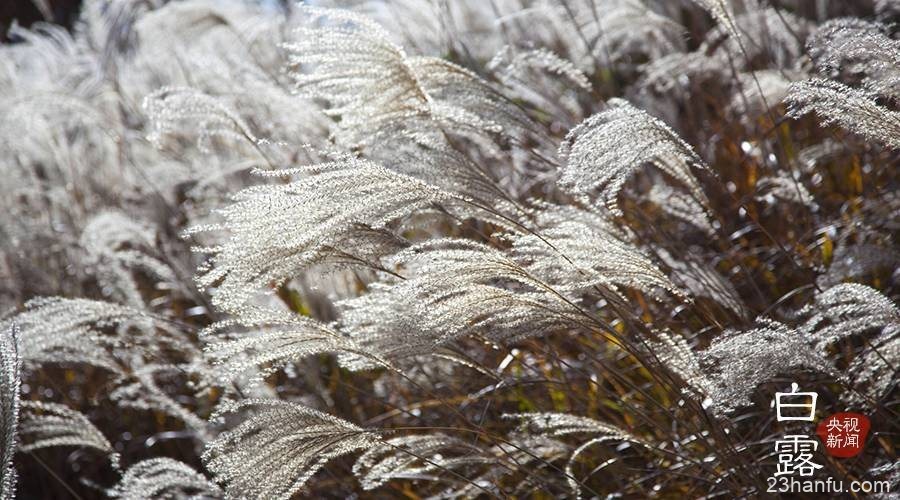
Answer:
(783, 187)
(860, 47)
(452, 460)
(677, 355)
(278, 447)
(164, 478)
(540, 78)
(875, 371)
(721, 11)
(759, 91)
(270, 340)
(617, 32)
(888, 470)
(420, 457)
(575, 250)
(728, 372)
(682, 206)
(10, 382)
(738, 361)
(451, 288)
(335, 212)
(358, 69)
(46, 424)
(431, 158)
(466, 103)
(72, 170)
(604, 151)
(179, 110)
(813, 156)
(378, 90)
(59, 330)
(851, 309)
(526, 453)
(675, 72)
(853, 109)
(702, 280)
(116, 246)
(512, 66)
(142, 392)
(766, 32)
(109, 26)
(852, 262)
(630, 29)
(887, 7)
(564, 424)
(847, 309)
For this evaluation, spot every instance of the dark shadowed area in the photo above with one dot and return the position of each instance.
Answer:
(28, 12)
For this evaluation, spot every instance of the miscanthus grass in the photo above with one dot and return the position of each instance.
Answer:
(444, 249)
